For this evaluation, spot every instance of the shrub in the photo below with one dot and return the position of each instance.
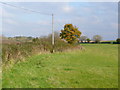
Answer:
(118, 40)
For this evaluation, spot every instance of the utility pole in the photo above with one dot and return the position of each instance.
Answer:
(53, 33)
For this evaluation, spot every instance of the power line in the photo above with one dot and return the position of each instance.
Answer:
(36, 12)
(30, 10)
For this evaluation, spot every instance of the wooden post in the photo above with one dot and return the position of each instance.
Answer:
(53, 33)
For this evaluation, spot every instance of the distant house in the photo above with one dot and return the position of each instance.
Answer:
(86, 41)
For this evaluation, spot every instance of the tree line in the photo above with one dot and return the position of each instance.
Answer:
(72, 35)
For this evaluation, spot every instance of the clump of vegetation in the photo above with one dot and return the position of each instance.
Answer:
(18, 51)
(88, 40)
(97, 38)
(118, 40)
(70, 33)
(83, 38)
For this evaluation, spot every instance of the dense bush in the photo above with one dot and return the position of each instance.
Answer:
(118, 40)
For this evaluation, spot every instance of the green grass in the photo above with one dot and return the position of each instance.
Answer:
(94, 67)
(109, 41)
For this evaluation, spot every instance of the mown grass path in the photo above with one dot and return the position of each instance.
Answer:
(94, 67)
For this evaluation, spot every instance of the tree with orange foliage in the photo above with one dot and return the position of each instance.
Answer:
(70, 33)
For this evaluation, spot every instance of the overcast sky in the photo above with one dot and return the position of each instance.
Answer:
(93, 18)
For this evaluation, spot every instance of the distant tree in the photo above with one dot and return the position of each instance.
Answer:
(35, 39)
(70, 33)
(83, 38)
(118, 40)
(97, 38)
(88, 40)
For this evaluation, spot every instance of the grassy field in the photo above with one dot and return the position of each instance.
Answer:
(94, 67)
